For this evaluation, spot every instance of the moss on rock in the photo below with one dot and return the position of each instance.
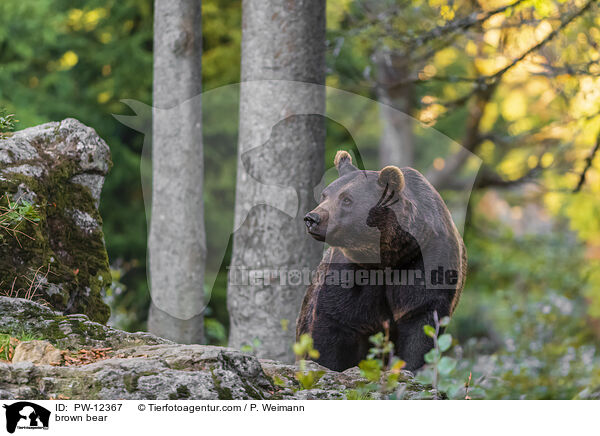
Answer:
(67, 332)
(60, 168)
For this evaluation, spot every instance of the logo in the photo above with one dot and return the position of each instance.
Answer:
(26, 415)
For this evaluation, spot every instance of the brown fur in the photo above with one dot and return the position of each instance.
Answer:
(374, 220)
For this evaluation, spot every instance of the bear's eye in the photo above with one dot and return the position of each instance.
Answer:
(347, 201)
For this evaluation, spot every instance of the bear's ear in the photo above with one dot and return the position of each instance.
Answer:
(343, 163)
(392, 177)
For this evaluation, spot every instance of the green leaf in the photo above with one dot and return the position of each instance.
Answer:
(370, 370)
(446, 365)
(377, 339)
(445, 321)
(432, 356)
(445, 342)
(277, 381)
(298, 350)
(429, 330)
(425, 376)
(309, 379)
(313, 354)
(397, 365)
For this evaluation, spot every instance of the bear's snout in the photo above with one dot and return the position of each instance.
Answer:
(312, 221)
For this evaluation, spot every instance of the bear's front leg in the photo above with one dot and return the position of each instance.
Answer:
(411, 342)
(339, 348)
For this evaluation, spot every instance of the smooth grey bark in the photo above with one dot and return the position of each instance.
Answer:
(396, 146)
(177, 247)
(280, 41)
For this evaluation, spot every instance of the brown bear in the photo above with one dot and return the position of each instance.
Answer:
(395, 257)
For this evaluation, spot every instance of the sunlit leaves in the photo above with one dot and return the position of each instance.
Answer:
(583, 210)
(336, 11)
(79, 19)
(370, 369)
(304, 348)
(68, 60)
(514, 105)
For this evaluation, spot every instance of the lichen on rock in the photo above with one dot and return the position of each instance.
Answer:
(60, 168)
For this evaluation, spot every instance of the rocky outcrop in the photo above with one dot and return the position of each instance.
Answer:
(58, 255)
(143, 366)
(67, 332)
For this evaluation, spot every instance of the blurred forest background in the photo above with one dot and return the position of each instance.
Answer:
(515, 82)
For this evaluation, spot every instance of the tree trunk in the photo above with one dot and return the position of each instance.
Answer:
(396, 146)
(177, 247)
(280, 41)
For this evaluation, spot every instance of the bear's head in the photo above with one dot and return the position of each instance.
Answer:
(353, 208)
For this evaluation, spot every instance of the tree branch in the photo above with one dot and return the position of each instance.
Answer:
(588, 164)
(488, 178)
(460, 24)
(483, 82)
(548, 38)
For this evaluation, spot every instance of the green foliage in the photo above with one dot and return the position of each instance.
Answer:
(308, 379)
(7, 121)
(304, 349)
(429, 331)
(22, 210)
(63, 58)
(251, 348)
(5, 347)
(8, 342)
(439, 368)
(382, 370)
(526, 332)
(214, 332)
(13, 214)
(545, 354)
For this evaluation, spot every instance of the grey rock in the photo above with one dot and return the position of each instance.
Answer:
(175, 371)
(64, 139)
(93, 182)
(65, 331)
(26, 170)
(59, 168)
(83, 220)
(144, 367)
